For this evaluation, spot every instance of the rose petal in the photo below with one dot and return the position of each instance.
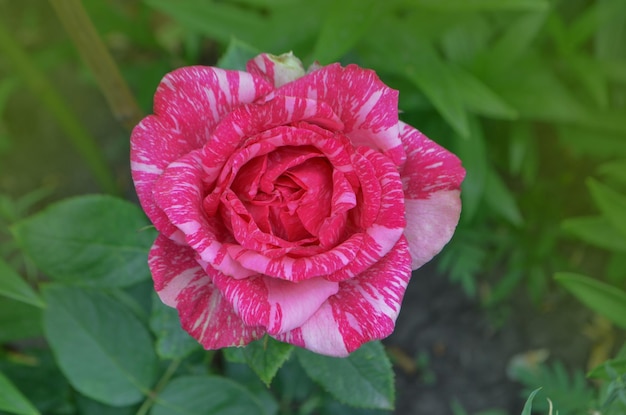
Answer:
(188, 104)
(365, 308)
(178, 192)
(429, 167)
(383, 218)
(192, 100)
(242, 126)
(182, 283)
(147, 165)
(432, 179)
(385, 224)
(276, 305)
(333, 228)
(277, 70)
(367, 107)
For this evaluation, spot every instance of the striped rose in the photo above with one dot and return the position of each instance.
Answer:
(288, 204)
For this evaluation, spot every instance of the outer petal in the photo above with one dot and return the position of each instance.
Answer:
(277, 305)
(367, 107)
(192, 100)
(384, 225)
(245, 123)
(277, 70)
(432, 179)
(364, 309)
(188, 104)
(204, 313)
(179, 193)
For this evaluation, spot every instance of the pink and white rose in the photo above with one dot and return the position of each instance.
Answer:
(289, 204)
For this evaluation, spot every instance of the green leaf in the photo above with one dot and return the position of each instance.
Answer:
(594, 17)
(615, 170)
(12, 400)
(473, 153)
(345, 23)
(591, 77)
(101, 347)
(611, 204)
(538, 93)
(478, 97)
(501, 200)
(172, 341)
(266, 356)
(523, 154)
(614, 70)
(611, 32)
(201, 395)
(435, 79)
(528, 406)
(218, 20)
(464, 42)
(90, 407)
(237, 55)
(18, 320)
(473, 5)
(608, 370)
(34, 371)
(514, 42)
(591, 142)
(7, 86)
(90, 240)
(597, 231)
(602, 298)
(243, 375)
(12, 285)
(615, 270)
(274, 29)
(364, 379)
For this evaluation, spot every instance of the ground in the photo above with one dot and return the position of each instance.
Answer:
(464, 355)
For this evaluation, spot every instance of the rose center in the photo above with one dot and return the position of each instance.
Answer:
(287, 192)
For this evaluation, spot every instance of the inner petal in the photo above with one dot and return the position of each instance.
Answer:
(287, 192)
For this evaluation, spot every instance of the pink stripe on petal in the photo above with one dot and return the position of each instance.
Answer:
(181, 282)
(384, 217)
(429, 167)
(365, 308)
(247, 124)
(431, 223)
(298, 269)
(432, 179)
(332, 229)
(173, 267)
(194, 99)
(276, 305)
(188, 104)
(367, 107)
(151, 150)
(179, 192)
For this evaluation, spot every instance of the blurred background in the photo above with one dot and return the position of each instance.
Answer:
(530, 94)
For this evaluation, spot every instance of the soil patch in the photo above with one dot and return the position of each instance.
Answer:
(462, 356)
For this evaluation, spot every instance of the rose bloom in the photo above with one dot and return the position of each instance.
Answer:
(288, 203)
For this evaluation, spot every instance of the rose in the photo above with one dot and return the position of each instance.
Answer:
(288, 203)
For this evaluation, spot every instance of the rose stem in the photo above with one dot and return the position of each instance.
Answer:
(93, 51)
(52, 100)
(152, 396)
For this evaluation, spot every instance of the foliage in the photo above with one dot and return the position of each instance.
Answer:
(570, 394)
(113, 343)
(530, 94)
